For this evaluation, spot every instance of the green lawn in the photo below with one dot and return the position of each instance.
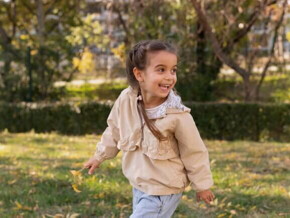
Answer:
(251, 179)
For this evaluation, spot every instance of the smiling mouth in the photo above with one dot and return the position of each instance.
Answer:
(164, 87)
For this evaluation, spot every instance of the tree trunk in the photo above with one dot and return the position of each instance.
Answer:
(220, 53)
(40, 21)
(40, 36)
(247, 88)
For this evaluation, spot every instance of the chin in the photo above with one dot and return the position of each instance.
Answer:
(164, 95)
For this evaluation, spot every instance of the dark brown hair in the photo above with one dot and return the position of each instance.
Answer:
(137, 57)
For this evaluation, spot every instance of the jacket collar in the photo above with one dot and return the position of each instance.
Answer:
(172, 104)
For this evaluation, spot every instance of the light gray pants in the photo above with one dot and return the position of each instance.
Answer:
(154, 206)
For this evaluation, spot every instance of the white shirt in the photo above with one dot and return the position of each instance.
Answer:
(151, 112)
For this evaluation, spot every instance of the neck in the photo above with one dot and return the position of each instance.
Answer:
(151, 101)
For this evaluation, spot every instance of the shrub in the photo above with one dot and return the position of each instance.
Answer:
(222, 121)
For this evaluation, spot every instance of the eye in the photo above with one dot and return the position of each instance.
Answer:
(173, 71)
(161, 70)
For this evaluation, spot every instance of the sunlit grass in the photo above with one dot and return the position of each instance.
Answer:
(251, 179)
(104, 91)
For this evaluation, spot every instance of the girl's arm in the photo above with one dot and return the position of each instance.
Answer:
(107, 147)
(193, 153)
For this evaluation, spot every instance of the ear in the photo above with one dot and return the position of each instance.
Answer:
(138, 74)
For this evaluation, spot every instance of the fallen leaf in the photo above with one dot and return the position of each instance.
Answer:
(12, 182)
(18, 205)
(58, 215)
(222, 215)
(21, 207)
(74, 215)
(75, 172)
(75, 188)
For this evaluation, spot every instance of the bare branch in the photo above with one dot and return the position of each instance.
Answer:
(277, 27)
(28, 7)
(251, 57)
(4, 35)
(249, 23)
(123, 23)
(40, 21)
(14, 22)
(51, 7)
(215, 44)
(5, 41)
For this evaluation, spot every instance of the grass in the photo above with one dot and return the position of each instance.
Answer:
(251, 179)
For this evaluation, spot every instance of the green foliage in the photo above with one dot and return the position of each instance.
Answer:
(63, 118)
(243, 121)
(43, 30)
(282, 95)
(223, 121)
(275, 89)
(88, 34)
(198, 66)
(251, 179)
(83, 37)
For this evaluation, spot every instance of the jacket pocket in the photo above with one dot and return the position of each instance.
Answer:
(156, 149)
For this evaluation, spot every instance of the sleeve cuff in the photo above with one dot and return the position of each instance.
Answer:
(202, 187)
(99, 157)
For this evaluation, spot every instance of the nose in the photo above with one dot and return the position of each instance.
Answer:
(169, 76)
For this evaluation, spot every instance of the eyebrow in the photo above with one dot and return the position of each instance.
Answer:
(162, 65)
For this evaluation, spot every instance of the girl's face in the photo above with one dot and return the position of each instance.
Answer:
(158, 78)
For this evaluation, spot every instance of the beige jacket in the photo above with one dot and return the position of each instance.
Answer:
(152, 166)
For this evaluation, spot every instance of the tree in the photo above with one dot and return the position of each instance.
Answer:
(42, 26)
(181, 23)
(84, 39)
(224, 46)
(175, 22)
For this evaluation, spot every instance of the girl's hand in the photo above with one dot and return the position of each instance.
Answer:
(92, 164)
(207, 196)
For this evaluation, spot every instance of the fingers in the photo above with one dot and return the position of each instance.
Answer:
(207, 201)
(206, 197)
(91, 165)
(92, 168)
(210, 199)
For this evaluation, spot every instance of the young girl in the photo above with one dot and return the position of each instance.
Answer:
(162, 149)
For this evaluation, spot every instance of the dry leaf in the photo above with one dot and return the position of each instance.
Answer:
(21, 207)
(12, 182)
(74, 215)
(75, 188)
(58, 216)
(75, 172)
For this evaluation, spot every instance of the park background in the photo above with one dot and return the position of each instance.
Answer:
(62, 67)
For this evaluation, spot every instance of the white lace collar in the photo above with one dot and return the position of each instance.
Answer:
(173, 101)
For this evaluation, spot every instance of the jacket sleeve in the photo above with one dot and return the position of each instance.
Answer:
(107, 147)
(193, 153)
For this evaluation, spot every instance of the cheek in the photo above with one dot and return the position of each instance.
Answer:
(175, 78)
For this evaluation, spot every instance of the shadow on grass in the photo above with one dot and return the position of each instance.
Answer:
(26, 191)
(235, 203)
(41, 195)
